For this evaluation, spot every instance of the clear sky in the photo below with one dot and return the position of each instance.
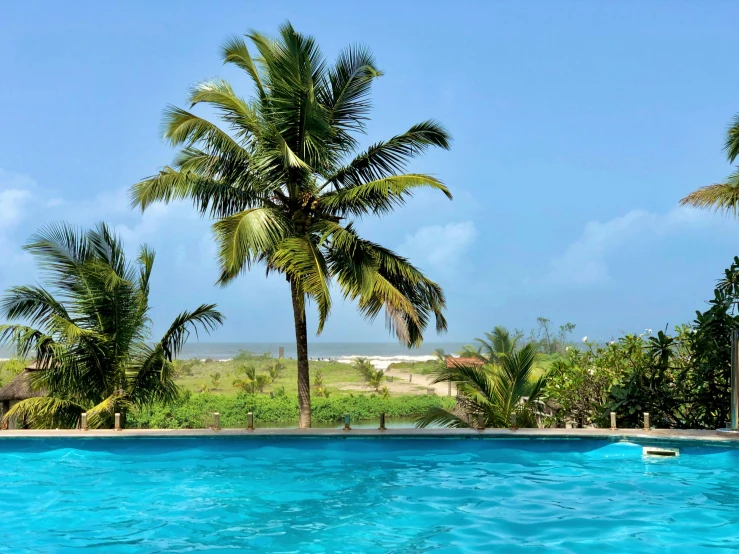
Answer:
(577, 126)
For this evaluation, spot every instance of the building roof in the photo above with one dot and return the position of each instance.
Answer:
(20, 387)
(451, 361)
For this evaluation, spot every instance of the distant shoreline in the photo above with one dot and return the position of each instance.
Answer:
(382, 354)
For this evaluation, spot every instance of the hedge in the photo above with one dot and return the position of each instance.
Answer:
(195, 411)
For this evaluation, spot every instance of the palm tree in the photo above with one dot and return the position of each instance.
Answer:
(250, 381)
(496, 344)
(90, 330)
(495, 391)
(375, 378)
(284, 181)
(721, 196)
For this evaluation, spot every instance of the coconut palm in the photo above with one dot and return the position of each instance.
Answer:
(496, 344)
(494, 390)
(90, 330)
(283, 181)
(724, 196)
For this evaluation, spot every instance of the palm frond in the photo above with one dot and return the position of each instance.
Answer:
(45, 413)
(721, 197)
(385, 159)
(204, 316)
(303, 262)
(732, 140)
(379, 197)
(236, 111)
(236, 51)
(103, 413)
(439, 417)
(246, 236)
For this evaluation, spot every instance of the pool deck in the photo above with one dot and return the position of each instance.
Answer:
(619, 434)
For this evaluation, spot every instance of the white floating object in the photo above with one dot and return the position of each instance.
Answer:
(659, 452)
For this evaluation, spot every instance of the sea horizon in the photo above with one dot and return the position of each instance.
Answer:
(317, 350)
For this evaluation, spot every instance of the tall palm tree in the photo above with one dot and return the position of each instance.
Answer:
(495, 391)
(724, 196)
(90, 330)
(283, 181)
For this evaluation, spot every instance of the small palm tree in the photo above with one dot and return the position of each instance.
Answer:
(724, 196)
(90, 330)
(364, 367)
(495, 391)
(275, 370)
(284, 182)
(375, 378)
(496, 344)
(250, 381)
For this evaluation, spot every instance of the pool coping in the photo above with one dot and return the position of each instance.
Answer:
(619, 434)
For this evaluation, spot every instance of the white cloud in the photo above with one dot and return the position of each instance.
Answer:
(439, 246)
(585, 262)
(14, 197)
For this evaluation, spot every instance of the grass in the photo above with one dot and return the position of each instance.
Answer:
(9, 369)
(193, 374)
(424, 368)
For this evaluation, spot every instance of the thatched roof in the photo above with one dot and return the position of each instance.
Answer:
(20, 387)
(451, 361)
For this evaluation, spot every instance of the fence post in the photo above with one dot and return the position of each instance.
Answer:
(117, 422)
(513, 422)
(250, 421)
(382, 422)
(647, 427)
(410, 377)
(216, 421)
(347, 421)
(735, 380)
(83, 422)
(480, 422)
(613, 421)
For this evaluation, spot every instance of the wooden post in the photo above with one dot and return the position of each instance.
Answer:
(513, 422)
(382, 422)
(613, 421)
(480, 422)
(347, 426)
(117, 422)
(250, 421)
(216, 421)
(83, 422)
(410, 377)
(647, 427)
(734, 380)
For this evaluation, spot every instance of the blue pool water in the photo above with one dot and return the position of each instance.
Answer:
(364, 495)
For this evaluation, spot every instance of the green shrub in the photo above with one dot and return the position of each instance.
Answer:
(195, 411)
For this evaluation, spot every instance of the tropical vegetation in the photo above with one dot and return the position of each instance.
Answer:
(494, 391)
(284, 179)
(89, 330)
(194, 411)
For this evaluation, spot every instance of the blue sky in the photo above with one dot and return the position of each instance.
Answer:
(577, 126)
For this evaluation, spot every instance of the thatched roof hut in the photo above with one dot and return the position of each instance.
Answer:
(20, 387)
(451, 362)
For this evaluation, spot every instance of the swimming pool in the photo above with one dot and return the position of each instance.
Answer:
(364, 495)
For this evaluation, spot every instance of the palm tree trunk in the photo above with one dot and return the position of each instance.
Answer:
(301, 339)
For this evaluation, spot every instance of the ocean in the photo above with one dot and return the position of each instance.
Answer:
(316, 350)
